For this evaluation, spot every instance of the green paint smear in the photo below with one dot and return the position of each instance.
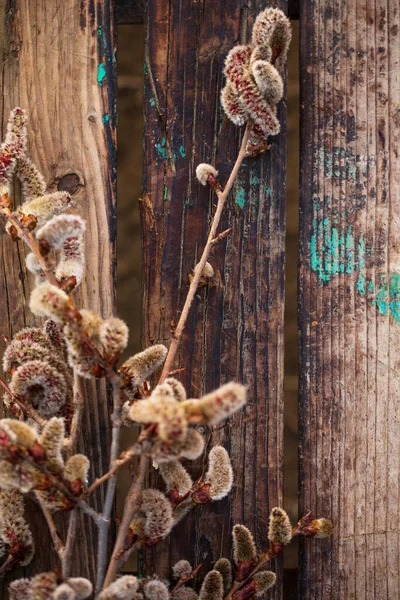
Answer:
(101, 73)
(161, 149)
(152, 102)
(241, 198)
(332, 252)
(105, 118)
(182, 151)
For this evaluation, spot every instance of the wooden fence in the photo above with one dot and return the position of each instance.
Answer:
(58, 60)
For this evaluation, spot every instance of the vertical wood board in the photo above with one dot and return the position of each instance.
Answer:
(58, 63)
(235, 327)
(349, 296)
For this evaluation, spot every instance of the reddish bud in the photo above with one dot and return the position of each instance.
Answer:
(243, 569)
(202, 495)
(247, 591)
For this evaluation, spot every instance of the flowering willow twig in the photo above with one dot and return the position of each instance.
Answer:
(57, 542)
(211, 240)
(266, 557)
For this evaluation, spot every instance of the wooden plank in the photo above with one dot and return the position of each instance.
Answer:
(58, 62)
(235, 329)
(349, 296)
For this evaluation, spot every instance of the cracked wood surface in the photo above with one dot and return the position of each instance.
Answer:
(350, 296)
(58, 63)
(235, 327)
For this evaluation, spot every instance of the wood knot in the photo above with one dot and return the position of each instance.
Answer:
(69, 183)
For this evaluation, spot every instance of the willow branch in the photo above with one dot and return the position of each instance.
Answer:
(72, 442)
(66, 560)
(132, 503)
(265, 558)
(104, 525)
(211, 240)
(57, 542)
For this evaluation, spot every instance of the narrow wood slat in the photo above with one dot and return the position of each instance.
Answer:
(129, 11)
(58, 60)
(235, 327)
(350, 296)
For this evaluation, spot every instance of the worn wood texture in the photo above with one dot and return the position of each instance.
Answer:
(58, 62)
(235, 327)
(350, 296)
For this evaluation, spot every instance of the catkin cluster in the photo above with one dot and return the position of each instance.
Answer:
(253, 78)
(35, 359)
(40, 212)
(49, 586)
(23, 450)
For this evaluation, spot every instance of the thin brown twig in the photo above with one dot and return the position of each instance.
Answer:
(104, 524)
(124, 458)
(66, 560)
(57, 542)
(182, 582)
(222, 196)
(132, 503)
(72, 442)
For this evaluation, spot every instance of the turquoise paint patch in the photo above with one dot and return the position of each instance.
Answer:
(165, 193)
(152, 102)
(101, 73)
(161, 149)
(105, 118)
(361, 266)
(254, 180)
(241, 198)
(182, 151)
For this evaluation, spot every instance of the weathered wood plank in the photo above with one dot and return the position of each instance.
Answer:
(235, 326)
(349, 296)
(58, 62)
(130, 11)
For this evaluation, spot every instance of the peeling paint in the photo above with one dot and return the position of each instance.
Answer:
(101, 73)
(161, 148)
(182, 151)
(105, 118)
(241, 197)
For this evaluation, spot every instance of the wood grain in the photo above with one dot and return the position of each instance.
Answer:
(58, 62)
(349, 296)
(235, 327)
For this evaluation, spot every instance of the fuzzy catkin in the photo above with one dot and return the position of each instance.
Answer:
(203, 171)
(52, 440)
(140, 366)
(244, 548)
(264, 580)
(213, 587)
(49, 301)
(19, 589)
(14, 530)
(46, 386)
(224, 567)
(113, 335)
(32, 181)
(193, 445)
(81, 586)
(155, 590)
(176, 477)
(77, 467)
(46, 206)
(177, 388)
(158, 512)
(219, 474)
(216, 406)
(185, 593)
(280, 528)
(182, 569)
(122, 589)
